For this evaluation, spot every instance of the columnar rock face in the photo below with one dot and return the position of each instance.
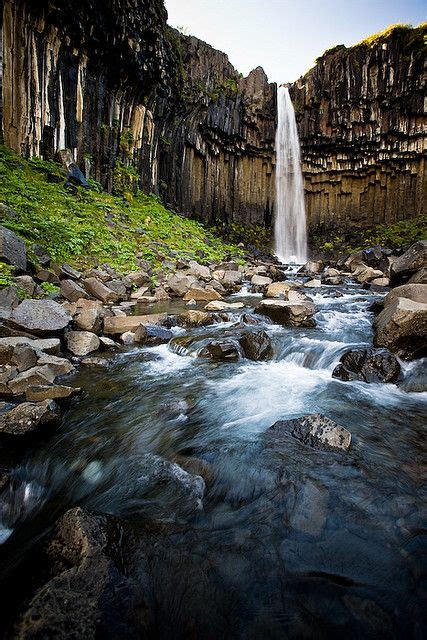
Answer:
(134, 99)
(362, 127)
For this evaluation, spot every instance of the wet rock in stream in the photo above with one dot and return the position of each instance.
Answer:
(315, 430)
(368, 365)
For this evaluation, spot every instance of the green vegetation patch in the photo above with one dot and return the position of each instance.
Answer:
(93, 227)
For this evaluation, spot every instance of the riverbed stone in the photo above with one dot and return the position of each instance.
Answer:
(121, 324)
(72, 291)
(288, 313)
(89, 315)
(415, 380)
(194, 318)
(40, 316)
(315, 430)
(222, 305)
(279, 290)
(315, 283)
(38, 393)
(29, 417)
(420, 277)
(12, 249)
(59, 366)
(202, 295)
(232, 279)
(256, 345)
(313, 266)
(24, 357)
(99, 290)
(199, 270)
(136, 279)
(402, 328)
(39, 375)
(225, 350)
(260, 282)
(51, 346)
(368, 365)
(81, 343)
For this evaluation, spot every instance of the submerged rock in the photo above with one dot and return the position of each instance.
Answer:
(315, 430)
(415, 380)
(256, 345)
(368, 365)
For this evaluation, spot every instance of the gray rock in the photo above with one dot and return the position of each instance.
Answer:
(39, 375)
(52, 346)
(12, 249)
(29, 417)
(40, 316)
(314, 430)
(72, 291)
(415, 380)
(179, 283)
(8, 301)
(67, 271)
(24, 357)
(414, 259)
(225, 350)
(26, 283)
(58, 366)
(81, 343)
(89, 315)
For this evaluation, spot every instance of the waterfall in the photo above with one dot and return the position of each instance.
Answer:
(290, 235)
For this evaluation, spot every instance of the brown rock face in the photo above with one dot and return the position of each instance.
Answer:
(111, 81)
(361, 123)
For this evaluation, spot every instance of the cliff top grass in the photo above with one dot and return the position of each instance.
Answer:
(92, 227)
(382, 36)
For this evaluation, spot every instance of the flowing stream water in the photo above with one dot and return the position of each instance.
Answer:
(288, 541)
(290, 234)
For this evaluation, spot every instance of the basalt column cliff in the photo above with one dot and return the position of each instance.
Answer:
(362, 128)
(135, 100)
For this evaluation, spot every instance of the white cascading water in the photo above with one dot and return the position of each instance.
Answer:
(290, 234)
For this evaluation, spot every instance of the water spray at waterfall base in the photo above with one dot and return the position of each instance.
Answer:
(290, 234)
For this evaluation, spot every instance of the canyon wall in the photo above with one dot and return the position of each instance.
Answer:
(134, 99)
(362, 126)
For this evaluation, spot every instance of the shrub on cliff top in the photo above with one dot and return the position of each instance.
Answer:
(91, 226)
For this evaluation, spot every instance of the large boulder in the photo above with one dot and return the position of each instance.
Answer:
(199, 271)
(313, 266)
(40, 317)
(315, 430)
(51, 346)
(368, 365)
(414, 292)
(256, 345)
(295, 314)
(12, 249)
(152, 335)
(29, 417)
(81, 343)
(414, 259)
(232, 279)
(402, 328)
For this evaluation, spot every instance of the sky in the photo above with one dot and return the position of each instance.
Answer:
(286, 36)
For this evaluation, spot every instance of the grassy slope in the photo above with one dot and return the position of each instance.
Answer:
(94, 227)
